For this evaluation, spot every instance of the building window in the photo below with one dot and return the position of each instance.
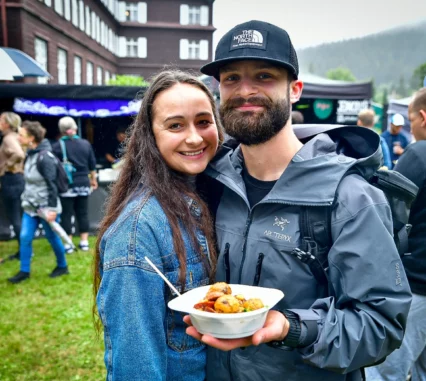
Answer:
(81, 13)
(48, 2)
(93, 32)
(135, 12)
(87, 20)
(98, 29)
(67, 9)
(59, 7)
(99, 75)
(62, 67)
(194, 50)
(193, 15)
(77, 70)
(75, 13)
(89, 73)
(131, 12)
(131, 47)
(107, 77)
(40, 47)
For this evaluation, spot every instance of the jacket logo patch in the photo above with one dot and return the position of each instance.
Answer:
(281, 223)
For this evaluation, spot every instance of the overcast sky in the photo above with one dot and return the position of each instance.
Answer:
(312, 22)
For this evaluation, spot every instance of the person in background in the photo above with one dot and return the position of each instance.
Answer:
(395, 138)
(367, 118)
(116, 151)
(321, 330)
(80, 154)
(412, 164)
(11, 172)
(297, 117)
(155, 211)
(40, 192)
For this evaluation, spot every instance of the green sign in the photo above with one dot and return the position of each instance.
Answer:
(323, 108)
(378, 109)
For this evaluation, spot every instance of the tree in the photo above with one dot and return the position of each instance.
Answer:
(128, 80)
(341, 74)
(401, 89)
(419, 74)
(311, 68)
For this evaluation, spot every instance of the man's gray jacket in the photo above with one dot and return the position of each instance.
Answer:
(364, 320)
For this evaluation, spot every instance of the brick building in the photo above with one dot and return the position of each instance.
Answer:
(89, 41)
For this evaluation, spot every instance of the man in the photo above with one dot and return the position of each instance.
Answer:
(412, 164)
(116, 150)
(366, 118)
(317, 331)
(395, 138)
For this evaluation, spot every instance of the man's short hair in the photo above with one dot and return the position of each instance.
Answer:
(367, 117)
(419, 100)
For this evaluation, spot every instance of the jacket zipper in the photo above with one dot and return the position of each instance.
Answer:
(226, 262)
(247, 228)
(258, 269)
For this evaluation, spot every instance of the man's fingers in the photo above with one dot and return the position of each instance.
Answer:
(226, 344)
(272, 330)
(191, 331)
(187, 319)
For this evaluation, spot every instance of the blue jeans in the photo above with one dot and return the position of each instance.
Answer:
(411, 355)
(28, 229)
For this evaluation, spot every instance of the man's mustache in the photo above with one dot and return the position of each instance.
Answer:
(238, 102)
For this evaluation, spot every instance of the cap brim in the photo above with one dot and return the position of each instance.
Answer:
(213, 68)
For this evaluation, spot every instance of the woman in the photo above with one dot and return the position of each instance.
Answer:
(11, 171)
(40, 193)
(155, 211)
(80, 154)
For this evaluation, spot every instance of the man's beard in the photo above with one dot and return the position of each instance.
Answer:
(251, 128)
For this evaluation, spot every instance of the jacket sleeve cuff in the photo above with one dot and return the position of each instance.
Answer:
(308, 326)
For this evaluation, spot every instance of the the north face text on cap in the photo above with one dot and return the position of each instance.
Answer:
(249, 38)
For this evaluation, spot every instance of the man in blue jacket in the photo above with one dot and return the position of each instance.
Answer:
(317, 331)
(395, 138)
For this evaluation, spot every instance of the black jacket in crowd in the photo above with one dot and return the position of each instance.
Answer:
(80, 154)
(412, 164)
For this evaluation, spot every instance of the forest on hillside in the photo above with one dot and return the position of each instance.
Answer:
(389, 58)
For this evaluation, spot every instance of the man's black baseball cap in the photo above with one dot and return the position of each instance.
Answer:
(254, 40)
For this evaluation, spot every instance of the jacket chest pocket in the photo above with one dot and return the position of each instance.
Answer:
(177, 339)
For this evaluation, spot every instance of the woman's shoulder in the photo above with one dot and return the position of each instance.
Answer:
(141, 224)
(141, 207)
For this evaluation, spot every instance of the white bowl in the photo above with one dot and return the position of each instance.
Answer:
(227, 326)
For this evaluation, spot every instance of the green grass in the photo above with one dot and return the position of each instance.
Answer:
(46, 330)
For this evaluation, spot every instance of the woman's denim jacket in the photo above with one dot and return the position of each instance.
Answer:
(144, 339)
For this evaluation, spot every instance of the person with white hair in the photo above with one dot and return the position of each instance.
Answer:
(80, 163)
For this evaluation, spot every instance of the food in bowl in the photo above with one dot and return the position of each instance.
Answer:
(227, 325)
(219, 299)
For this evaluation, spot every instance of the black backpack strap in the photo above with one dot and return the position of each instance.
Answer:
(40, 158)
(315, 233)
